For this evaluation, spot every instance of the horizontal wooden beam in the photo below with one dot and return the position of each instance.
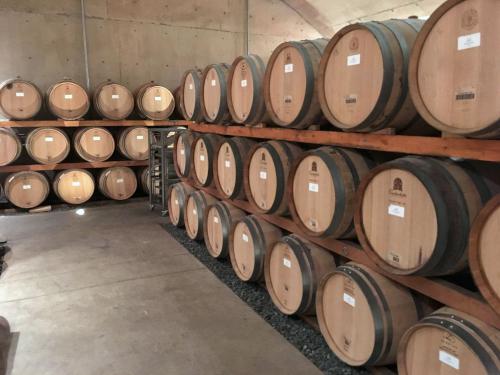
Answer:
(81, 165)
(80, 123)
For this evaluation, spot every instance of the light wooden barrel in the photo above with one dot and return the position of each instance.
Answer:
(190, 96)
(74, 186)
(118, 183)
(67, 100)
(48, 145)
(26, 189)
(290, 89)
(143, 179)
(154, 102)
(484, 240)
(214, 94)
(94, 144)
(194, 211)
(203, 152)
(10, 146)
(322, 189)
(19, 99)
(229, 165)
(454, 69)
(113, 101)
(266, 174)
(244, 90)
(363, 315)
(249, 244)
(293, 269)
(449, 342)
(133, 143)
(218, 222)
(176, 200)
(414, 214)
(182, 153)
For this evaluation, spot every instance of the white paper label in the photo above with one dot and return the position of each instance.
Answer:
(68, 96)
(115, 96)
(49, 139)
(244, 237)
(469, 41)
(216, 220)
(96, 138)
(176, 202)
(243, 83)
(190, 86)
(313, 187)
(182, 152)
(194, 212)
(158, 98)
(227, 163)
(75, 183)
(288, 68)
(449, 359)
(287, 263)
(353, 59)
(26, 187)
(202, 157)
(140, 137)
(396, 210)
(263, 175)
(349, 300)
(213, 83)
(119, 180)
(19, 93)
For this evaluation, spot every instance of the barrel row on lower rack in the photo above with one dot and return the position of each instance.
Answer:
(366, 318)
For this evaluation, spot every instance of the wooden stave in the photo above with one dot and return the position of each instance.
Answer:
(104, 174)
(491, 131)
(122, 137)
(42, 178)
(482, 339)
(212, 142)
(102, 113)
(182, 190)
(431, 172)
(139, 93)
(5, 113)
(33, 156)
(55, 183)
(82, 153)
(356, 170)
(202, 200)
(143, 179)
(228, 214)
(310, 112)
(240, 148)
(223, 115)
(188, 137)
(19, 147)
(198, 112)
(80, 114)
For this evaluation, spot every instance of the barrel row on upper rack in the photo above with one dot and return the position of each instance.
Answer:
(400, 74)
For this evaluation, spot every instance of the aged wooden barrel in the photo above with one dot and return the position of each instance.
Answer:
(229, 165)
(182, 153)
(19, 99)
(118, 183)
(214, 94)
(143, 179)
(74, 186)
(113, 101)
(194, 211)
(375, 52)
(290, 89)
(293, 269)
(363, 315)
(449, 342)
(10, 146)
(68, 100)
(441, 196)
(203, 152)
(218, 222)
(244, 90)
(48, 145)
(190, 95)
(454, 68)
(94, 144)
(154, 102)
(249, 244)
(176, 200)
(26, 189)
(322, 188)
(133, 143)
(266, 174)
(484, 240)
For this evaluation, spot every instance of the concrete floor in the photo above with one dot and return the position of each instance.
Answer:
(111, 292)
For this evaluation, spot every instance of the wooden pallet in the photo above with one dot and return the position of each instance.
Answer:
(79, 165)
(81, 123)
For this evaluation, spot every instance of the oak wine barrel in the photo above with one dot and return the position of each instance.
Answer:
(10, 146)
(454, 71)
(266, 174)
(293, 269)
(182, 152)
(133, 143)
(19, 99)
(26, 189)
(190, 96)
(203, 152)
(214, 94)
(47, 145)
(249, 244)
(218, 222)
(117, 183)
(113, 101)
(143, 179)
(194, 211)
(244, 90)
(449, 342)
(229, 165)
(74, 186)
(94, 144)
(290, 89)
(414, 214)
(154, 102)
(322, 190)
(68, 100)
(363, 315)
(176, 200)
